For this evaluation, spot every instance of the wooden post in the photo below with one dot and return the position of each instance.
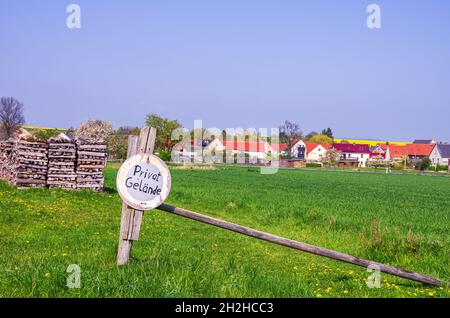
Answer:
(131, 220)
(299, 245)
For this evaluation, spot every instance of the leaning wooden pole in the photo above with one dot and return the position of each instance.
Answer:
(299, 245)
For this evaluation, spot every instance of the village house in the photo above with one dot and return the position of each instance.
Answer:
(316, 152)
(352, 154)
(215, 150)
(298, 150)
(440, 155)
(418, 152)
(378, 152)
(413, 152)
(308, 151)
(396, 152)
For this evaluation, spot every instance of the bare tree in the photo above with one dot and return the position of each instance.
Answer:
(289, 133)
(11, 116)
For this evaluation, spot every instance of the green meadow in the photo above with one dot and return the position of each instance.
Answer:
(401, 220)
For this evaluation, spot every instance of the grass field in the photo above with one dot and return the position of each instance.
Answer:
(401, 220)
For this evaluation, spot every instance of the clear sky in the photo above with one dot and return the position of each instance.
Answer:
(246, 63)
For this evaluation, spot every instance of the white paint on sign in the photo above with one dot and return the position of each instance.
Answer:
(143, 182)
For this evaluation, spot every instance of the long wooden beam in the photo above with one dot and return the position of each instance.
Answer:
(299, 245)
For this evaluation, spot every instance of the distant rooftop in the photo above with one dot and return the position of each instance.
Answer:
(444, 150)
(424, 141)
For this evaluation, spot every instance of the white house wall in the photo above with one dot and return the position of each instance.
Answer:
(317, 154)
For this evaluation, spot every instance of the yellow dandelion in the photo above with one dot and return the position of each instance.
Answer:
(328, 290)
(345, 291)
(47, 274)
(318, 295)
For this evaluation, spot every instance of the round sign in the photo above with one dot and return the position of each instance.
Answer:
(143, 182)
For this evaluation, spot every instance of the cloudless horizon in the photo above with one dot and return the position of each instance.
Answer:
(233, 63)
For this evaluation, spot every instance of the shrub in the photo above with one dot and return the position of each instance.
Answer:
(313, 165)
(438, 168)
(165, 155)
(424, 164)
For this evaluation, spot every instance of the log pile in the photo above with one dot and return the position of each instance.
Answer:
(58, 163)
(61, 164)
(29, 164)
(6, 160)
(91, 158)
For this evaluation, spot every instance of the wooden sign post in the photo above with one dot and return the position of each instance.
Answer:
(143, 183)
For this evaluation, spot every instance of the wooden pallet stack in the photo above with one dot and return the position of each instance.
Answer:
(61, 164)
(91, 159)
(30, 163)
(6, 160)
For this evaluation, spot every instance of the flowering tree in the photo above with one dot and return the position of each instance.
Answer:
(98, 130)
(331, 157)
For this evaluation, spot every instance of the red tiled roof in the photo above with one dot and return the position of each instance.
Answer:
(279, 147)
(398, 151)
(352, 148)
(244, 145)
(422, 150)
(310, 146)
(256, 146)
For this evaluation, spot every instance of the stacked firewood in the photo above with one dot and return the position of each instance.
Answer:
(61, 164)
(29, 164)
(6, 160)
(90, 164)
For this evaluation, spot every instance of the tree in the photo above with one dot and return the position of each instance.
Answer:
(128, 131)
(321, 139)
(331, 157)
(328, 132)
(165, 128)
(290, 133)
(118, 146)
(98, 130)
(311, 134)
(11, 116)
(118, 141)
(45, 134)
(424, 164)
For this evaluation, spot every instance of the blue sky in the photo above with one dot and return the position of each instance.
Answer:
(233, 64)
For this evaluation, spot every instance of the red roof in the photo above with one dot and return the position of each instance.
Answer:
(310, 146)
(279, 147)
(398, 151)
(244, 145)
(256, 146)
(352, 148)
(421, 150)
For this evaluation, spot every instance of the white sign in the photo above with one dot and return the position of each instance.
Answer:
(143, 182)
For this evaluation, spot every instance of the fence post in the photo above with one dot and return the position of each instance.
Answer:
(131, 219)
